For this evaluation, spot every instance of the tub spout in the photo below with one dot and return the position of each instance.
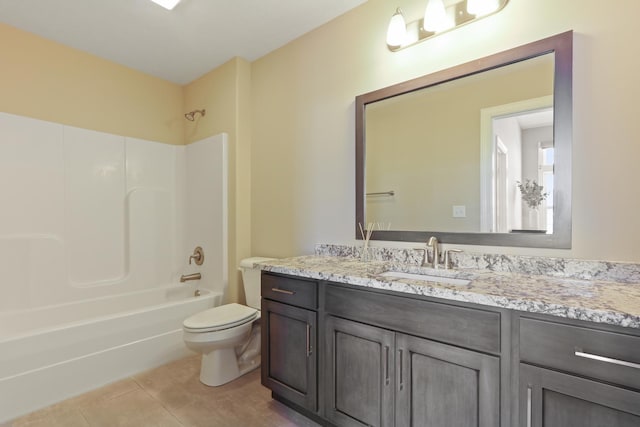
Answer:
(186, 277)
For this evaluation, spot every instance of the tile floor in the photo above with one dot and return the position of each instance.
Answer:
(170, 395)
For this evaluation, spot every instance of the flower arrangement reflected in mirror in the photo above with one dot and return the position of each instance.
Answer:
(532, 193)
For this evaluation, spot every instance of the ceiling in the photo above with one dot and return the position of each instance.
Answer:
(179, 45)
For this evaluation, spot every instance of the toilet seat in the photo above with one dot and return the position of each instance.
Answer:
(219, 318)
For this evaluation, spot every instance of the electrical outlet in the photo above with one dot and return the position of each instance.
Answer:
(459, 211)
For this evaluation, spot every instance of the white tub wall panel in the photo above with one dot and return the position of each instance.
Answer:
(149, 164)
(152, 211)
(207, 168)
(15, 275)
(25, 264)
(151, 234)
(181, 250)
(47, 272)
(94, 214)
(31, 190)
(31, 177)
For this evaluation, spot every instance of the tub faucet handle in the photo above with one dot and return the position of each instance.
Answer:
(198, 256)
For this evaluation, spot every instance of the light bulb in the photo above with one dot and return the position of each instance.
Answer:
(482, 7)
(435, 17)
(167, 4)
(397, 31)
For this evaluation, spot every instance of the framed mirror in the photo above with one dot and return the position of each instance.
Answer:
(476, 154)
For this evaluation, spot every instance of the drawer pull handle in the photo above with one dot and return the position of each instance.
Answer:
(386, 365)
(529, 409)
(580, 353)
(308, 340)
(283, 291)
(401, 373)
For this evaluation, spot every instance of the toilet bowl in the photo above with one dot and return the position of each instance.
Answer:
(228, 336)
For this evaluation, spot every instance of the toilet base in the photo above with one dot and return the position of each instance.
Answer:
(221, 366)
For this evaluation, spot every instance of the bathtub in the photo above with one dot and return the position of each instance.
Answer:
(52, 353)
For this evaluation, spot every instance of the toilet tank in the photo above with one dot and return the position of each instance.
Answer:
(251, 280)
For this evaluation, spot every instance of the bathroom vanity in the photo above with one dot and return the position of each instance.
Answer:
(350, 347)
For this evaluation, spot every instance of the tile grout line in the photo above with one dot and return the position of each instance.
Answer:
(80, 410)
(169, 411)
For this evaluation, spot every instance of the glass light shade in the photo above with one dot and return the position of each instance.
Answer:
(482, 7)
(167, 4)
(435, 17)
(397, 31)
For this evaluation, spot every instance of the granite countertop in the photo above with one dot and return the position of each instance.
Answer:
(598, 301)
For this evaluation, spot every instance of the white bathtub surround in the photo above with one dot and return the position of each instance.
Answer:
(111, 338)
(93, 228)
(206, 225)
(599, 301)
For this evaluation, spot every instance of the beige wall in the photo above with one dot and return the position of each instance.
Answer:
(225, 94)
(48, 81)
(303, 118)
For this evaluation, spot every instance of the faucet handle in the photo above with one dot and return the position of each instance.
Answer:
(447, 257)
(424, 256)
(198, 256)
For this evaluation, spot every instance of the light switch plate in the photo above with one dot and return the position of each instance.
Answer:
(459, 211)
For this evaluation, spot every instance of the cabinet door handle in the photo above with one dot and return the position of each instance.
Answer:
(283, 291)
(386, 365)
(308, 340)
(579, 353)
(529, 406)
(401, 384)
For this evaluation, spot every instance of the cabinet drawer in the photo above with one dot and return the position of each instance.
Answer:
(464, 327)
(289, 290)
(603, 355)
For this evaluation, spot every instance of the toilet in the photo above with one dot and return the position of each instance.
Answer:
(228, 336)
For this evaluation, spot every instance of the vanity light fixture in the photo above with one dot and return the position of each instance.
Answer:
(439, 16)
(435, 17)
(397, 31)
(167, 4)
(482, 7)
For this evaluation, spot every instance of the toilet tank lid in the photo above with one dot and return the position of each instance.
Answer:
(248, 262)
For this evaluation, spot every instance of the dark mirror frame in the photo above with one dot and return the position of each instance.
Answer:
(562, 47)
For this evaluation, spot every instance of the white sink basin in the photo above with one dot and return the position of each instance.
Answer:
(426, 278)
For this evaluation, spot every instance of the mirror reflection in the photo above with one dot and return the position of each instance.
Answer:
(476, 154)
(469, 155)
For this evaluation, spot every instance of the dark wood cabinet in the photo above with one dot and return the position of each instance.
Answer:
(441, 385)
(354, 357)
(377, 377)
(289, 356)
(577, 375)
(359, 374)
(554, 399)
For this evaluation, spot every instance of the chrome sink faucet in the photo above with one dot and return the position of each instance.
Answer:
(433, 243)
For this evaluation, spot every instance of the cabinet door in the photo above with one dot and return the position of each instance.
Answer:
(553, 399)
(288, 352)
(441, 385)
(359, 369)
